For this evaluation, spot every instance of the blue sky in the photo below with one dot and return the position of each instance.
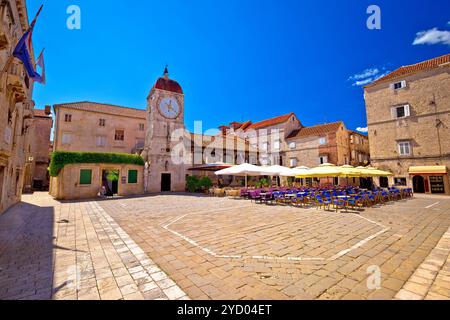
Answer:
(236, 60)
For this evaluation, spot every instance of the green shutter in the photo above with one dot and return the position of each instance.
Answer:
(85, 176)
(132, 176)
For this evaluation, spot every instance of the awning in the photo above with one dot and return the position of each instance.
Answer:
(427, 170)
(211, 167)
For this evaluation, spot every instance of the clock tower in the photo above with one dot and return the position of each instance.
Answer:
(165, 114)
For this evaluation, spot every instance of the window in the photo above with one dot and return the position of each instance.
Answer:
(265, 146)
(101, 122)
(400, 181)
(323, 141)
(398, 85)
(119, 135)
(292, 145)
(400, 111)
(101, 141)
(323, 159)
(132, 176)
(66, 138)
(276, 145)
(85, 176)
(293, 162)
(67, 117)
(404, 148)
(141, 127)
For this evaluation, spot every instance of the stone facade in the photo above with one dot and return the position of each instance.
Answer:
(16, 106)
(38, 178)
(423, 124)
(68, 184)
(90, 126)
(332, 143)
(165, 117)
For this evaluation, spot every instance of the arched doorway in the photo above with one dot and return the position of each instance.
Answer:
(419, 184)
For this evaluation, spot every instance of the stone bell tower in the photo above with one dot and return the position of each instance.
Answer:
(165, 114)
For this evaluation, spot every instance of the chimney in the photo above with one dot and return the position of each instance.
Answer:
(224, 129)
(48, 110)
(235, 125)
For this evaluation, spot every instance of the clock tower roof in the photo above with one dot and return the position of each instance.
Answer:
(164, 83)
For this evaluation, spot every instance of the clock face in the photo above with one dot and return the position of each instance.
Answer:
(169, 108)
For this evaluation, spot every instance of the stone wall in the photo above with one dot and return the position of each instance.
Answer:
(16, 106)
(67, 185)
(85, 129)
(427, 128)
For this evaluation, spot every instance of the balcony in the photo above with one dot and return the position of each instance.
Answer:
(17, 82)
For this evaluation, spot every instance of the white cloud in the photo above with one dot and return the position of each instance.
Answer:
(362, 82)
(362, 129)
(432, 36)
(365, 74)
(370, 75)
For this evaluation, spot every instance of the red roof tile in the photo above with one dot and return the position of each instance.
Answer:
(316, 130)
(168, 85)
(270, 122)
(105, 108)
(413, 68)
(40, 113)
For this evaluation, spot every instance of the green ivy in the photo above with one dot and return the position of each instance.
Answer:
(59, 159)
(195, 184)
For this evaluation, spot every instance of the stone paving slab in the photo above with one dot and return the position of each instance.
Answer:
(178, 246)
(431, 280)
(218, 248)
(90, 257)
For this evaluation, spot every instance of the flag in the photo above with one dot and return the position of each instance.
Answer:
(40, 62)
(23, 50)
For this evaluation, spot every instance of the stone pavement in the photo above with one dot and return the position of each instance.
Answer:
(431, 280)
(178, 246)
(74, 251)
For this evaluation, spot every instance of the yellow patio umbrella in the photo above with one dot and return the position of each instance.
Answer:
(325, 170)
(365, 172)
(373, 172)
(350, 171)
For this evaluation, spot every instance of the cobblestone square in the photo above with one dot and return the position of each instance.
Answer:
(180, 246)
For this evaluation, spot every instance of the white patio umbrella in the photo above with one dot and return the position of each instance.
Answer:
(276, 170)
(295, 171)
(242, 170)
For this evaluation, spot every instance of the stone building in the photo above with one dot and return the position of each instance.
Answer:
(91, 126)
(171, 152)
(359, 149)
(16, 105)
(267, 136)
(408, 115)
(289, 143)
(38, 179)
(315, 145)
(157, 133)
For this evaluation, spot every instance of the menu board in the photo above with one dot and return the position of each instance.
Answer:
(437, 184)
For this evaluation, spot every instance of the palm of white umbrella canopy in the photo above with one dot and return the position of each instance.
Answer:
(276, 170)
(295, 172)
(243, 170)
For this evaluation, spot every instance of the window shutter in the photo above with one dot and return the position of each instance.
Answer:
(132, 176)
(407, 112)
(85, 176)
(403, 84)
(392, 86)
